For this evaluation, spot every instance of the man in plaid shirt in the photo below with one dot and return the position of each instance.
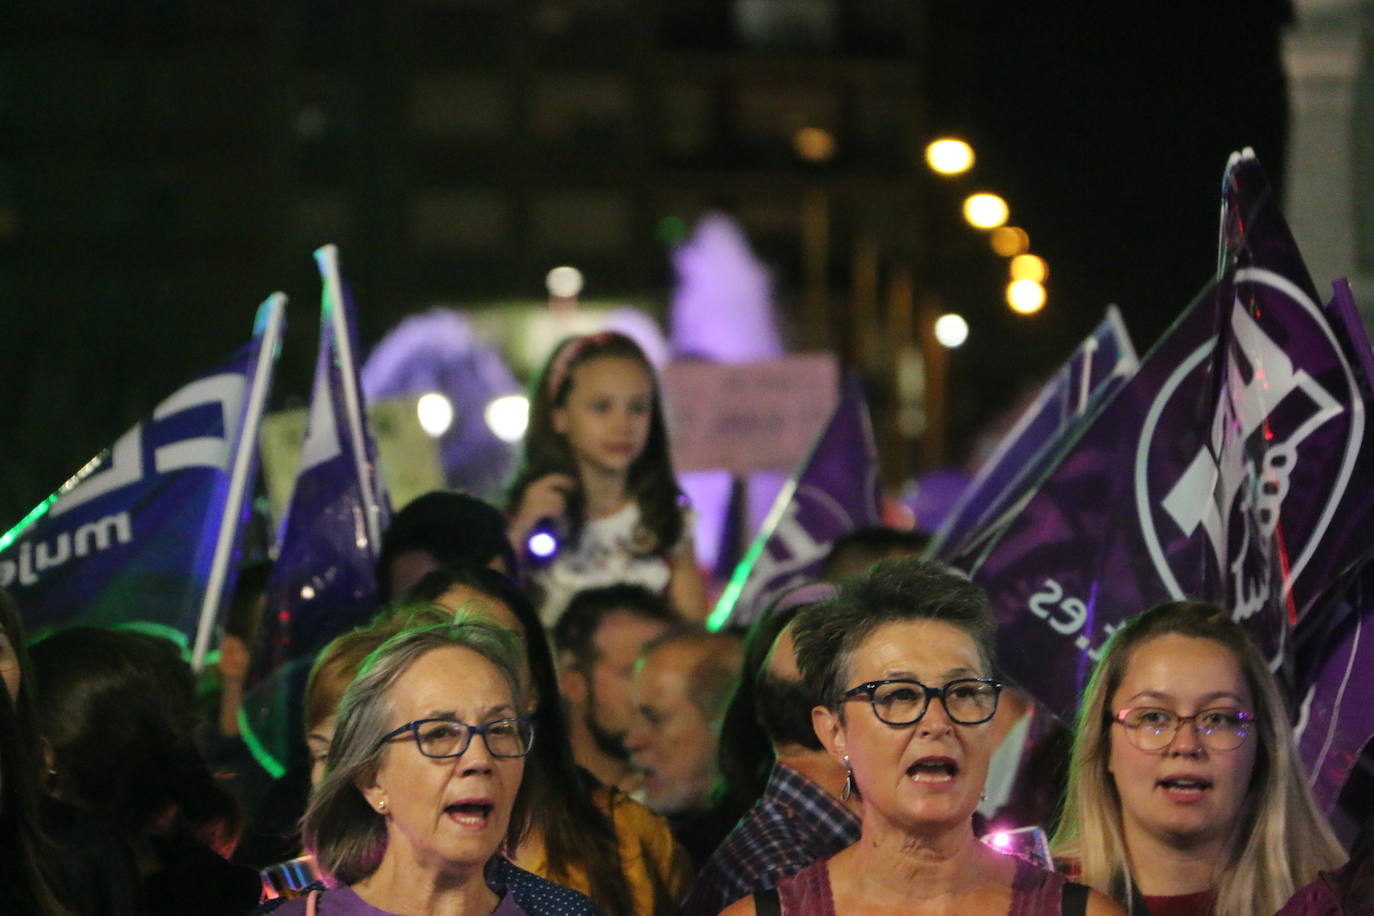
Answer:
(798, 820)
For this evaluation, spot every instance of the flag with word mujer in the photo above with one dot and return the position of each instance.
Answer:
(146, 535)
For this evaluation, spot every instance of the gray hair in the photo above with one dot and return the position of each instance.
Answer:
(347, 837)
(827, 634)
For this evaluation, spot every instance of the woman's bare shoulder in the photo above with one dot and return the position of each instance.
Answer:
(742, 907)
(1099, 904)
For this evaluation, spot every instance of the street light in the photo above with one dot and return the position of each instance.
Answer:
(1009, 241)
(1026, 297)
(1029, 267)
(949, 156)
(985, 211)
(951, 330)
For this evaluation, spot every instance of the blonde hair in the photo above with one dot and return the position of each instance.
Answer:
(1279, 841)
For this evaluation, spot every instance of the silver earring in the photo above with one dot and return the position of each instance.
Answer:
(381, 805)
(848, 788)
(983, 795)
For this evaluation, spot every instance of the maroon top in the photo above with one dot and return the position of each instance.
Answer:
(1198, 904)
(1034, 891)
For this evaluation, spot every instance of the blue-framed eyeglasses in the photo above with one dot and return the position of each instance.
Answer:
(510, 737)
(902, 701)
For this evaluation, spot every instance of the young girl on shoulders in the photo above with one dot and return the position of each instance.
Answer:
(596, 465)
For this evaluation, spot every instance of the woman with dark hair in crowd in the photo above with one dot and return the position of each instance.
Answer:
(583, 834)
(903, 662)
(25, 884)
(1185, 791)
(116, 711)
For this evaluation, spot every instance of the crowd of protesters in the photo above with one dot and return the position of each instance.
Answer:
(566, 737)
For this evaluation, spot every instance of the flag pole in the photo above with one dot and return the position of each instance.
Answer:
(269, 321)
(327, 256)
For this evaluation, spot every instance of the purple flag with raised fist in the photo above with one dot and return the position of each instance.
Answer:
(1230, 469)
(146, 535)
(835, 492)
(324, 580)
(1105, 361)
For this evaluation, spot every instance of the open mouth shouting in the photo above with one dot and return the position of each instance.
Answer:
(933, 770)
(470, 813)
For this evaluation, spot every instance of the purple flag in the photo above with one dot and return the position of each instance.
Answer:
(1336, 719)
(145, 535)
(1229, 469)
(1335, 650)
(1104, 362)
(835, 492)
(324, 579)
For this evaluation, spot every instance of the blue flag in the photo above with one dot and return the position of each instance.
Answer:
(1104, 362)
(1231, 468)
(324, 579)
(146, 534)
(834, 493)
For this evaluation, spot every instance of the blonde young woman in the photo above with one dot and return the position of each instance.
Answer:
(1185, 793)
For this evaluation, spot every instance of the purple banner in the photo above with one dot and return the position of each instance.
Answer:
(1336, 719)
(1105, 361)
(324, 580)
(1230, 468)
(145, 535)
(834, 493)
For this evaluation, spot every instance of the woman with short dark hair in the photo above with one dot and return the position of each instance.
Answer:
(902, 661)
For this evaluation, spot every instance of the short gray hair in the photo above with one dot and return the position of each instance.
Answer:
(347, 837)
(826, 634)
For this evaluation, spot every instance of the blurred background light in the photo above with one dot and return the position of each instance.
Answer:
(951, 330)
(1025, 296)
(564, 282)
(435, 412)
(1029, 267)
(508, 416)
(1009, 241)
(814, 144)
(949, 156)
(985, 211)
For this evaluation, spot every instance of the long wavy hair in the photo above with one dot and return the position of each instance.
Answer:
(1279, 841)
(25, 882)
(651, 482)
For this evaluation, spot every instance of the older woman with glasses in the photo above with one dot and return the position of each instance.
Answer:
(1185, 793)
(423, 784)
(902, 659)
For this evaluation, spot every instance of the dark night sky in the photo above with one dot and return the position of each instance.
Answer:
(1105, 125)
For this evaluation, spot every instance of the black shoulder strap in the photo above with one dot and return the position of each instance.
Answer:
(1074, 901)
(767, 903)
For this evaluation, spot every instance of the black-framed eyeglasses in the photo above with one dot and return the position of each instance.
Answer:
(902, 701)
(1150, 728)
(510, 737)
